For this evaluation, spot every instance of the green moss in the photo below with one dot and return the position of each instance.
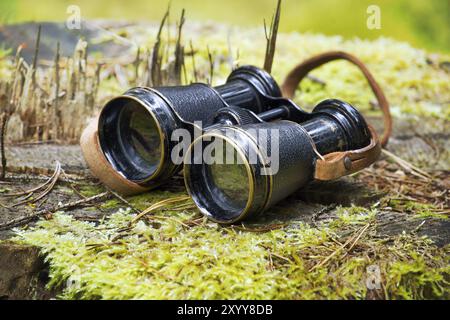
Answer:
(110, 204)
(89, 190)
(171, 260)
(353, 215)
(419, 210)
(415, 279)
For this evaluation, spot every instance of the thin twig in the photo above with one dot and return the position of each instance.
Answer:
(271, 38)
(4, 122)
(352, 240)
(408, 166)
(211, 66)
(29, 218)
(317, 214)
(156, 74)
(261, 229)
(36, 55)
(78, 193)
(56, 111)
(179, 51)
(52, 183)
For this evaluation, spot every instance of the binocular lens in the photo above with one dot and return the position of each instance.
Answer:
(130, 138)
(223, 177)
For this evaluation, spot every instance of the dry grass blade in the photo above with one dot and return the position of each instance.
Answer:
(408, 166)
(267, 228)
(136, 64)
(359, 236)
(404, 187)
(18, 194)
(230, 51)
(156, 63)
(211, 65)
(36, 54)
(56, 111)
(172, 219)
(117, 37)
(158, 205)
(23, 193)
(179, 51)
(353, 240)
(47, 190)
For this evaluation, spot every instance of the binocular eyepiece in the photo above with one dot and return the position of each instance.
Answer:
(135, 129)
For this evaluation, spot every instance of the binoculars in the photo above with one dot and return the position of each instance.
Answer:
(135, 129)
(253, 147)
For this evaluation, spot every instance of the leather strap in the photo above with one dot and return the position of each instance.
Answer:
(338, 164)
(99, 165)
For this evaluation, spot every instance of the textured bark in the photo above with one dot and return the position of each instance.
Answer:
(23, 273)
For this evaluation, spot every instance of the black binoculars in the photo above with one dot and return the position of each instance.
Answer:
(135, 129)
(255, 147)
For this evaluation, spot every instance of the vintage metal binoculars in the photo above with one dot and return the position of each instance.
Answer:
(129, 147)
(255, 147)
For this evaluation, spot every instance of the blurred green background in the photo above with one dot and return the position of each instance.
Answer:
(423, 23)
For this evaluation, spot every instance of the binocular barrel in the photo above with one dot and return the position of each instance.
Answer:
(135, 129)
(233, 172)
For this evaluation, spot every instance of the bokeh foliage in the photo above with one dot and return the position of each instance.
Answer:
(423, 23)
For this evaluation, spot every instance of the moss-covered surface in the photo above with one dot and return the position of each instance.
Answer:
(172, 252)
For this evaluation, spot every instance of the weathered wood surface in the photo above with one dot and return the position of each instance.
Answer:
(29, 161)
(23, 273)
